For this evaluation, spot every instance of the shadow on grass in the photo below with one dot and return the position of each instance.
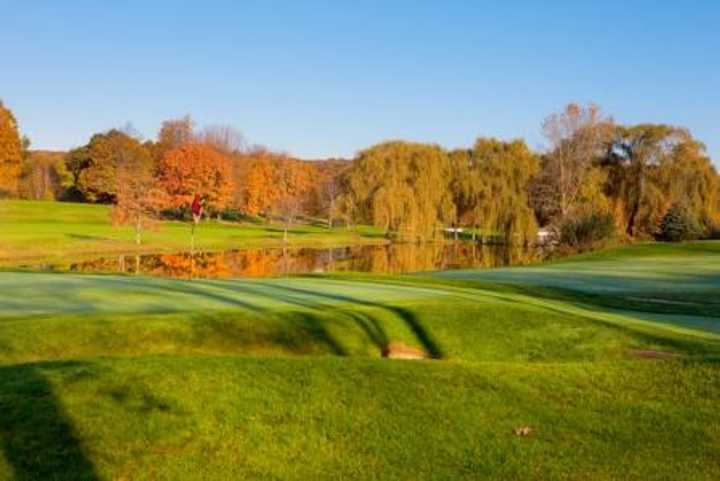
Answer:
(690, 309)
(371, 326)
(37, 438)
(292, 332)
(642, 309)
(86, 237)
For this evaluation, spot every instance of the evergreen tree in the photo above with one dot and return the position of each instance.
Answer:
(679, 224)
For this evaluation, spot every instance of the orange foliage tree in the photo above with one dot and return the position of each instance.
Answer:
(260, 189)
(10, 153)
(192, 169)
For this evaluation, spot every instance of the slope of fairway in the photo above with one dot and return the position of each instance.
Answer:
(639, 268)
(120, 377)
(677, 279)
(39, 231)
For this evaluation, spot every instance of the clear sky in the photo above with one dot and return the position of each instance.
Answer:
(326, 78)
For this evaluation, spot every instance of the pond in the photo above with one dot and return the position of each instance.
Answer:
(272, 262)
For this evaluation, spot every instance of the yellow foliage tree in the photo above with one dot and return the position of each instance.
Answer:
(502, 204)
(402, 187)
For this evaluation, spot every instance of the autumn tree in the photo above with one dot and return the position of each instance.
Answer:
(402, 187)
(688, 178)
(328, 187)
(76, 161)
(94, 167)
(466, 186)
(293, 181)
(11, 156)
(174, 133)
(224, 138)
(138, 198)
(44, 175)
(194, 168)
(260, 190)
(500, 203)
(634, 161)
(578, 137)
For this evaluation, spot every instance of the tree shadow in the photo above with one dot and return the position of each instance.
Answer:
(86, 237)
(299, 333)
(374, 329)
(307, 321)
(37, 437)
(703, 349)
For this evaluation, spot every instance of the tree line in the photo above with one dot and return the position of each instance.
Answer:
(596, 179)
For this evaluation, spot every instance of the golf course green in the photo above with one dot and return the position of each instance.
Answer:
(604, 366)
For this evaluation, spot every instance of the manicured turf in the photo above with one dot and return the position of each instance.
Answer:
(36, 231)
(134, 378)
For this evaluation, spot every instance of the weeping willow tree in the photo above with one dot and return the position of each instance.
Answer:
(650, 168)
(467, 186)
(688, 178)
(494, 185)
(401, 187)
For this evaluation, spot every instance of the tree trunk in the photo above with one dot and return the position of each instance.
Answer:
(138, 230)
(563, 188)
(192, 238)
(285, 263)
(632, 219)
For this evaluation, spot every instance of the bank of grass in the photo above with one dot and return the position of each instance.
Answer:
(121, 377)
(54, 232)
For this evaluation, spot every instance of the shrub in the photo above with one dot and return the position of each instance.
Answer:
(236, 215)
(714, 232)
(587, 229)
(181, 214)
(679, 224)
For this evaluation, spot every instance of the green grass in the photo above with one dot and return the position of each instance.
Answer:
(612, 358)
(53, 232)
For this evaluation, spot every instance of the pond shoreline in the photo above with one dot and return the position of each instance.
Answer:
(278, 261)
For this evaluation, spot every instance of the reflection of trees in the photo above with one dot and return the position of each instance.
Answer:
(402, 258)
(391, 259)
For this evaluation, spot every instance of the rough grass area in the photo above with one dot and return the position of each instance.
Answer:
(133, 378)
(38, 231)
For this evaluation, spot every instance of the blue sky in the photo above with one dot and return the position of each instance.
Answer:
(326, 78)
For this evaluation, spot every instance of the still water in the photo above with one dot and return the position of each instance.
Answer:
(392, 258)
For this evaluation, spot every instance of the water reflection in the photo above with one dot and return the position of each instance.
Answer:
(393, 259)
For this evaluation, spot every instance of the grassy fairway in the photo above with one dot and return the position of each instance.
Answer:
(34, 231)
(613, 359)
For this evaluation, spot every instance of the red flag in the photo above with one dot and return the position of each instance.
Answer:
(197, 206)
